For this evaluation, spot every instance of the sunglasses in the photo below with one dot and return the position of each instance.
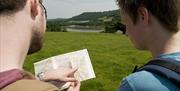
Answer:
(45, 12)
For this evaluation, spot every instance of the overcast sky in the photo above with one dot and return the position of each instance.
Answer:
(69, 8)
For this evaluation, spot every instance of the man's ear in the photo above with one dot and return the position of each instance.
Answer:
(34, 8)
(143, 15)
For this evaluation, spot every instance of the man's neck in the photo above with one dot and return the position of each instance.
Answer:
(14, 42)
(165, 43)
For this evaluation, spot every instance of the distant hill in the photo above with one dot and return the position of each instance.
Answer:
(108, 20)
(90, 16)
(95, 15)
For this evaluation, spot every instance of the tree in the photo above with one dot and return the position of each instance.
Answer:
(114, 26)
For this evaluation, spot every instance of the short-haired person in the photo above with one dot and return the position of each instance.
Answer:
(22, 25)
(152, 25)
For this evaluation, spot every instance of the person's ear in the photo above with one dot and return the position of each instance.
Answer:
(143, 15)
(34, 8)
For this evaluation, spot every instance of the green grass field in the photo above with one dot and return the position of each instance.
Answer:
(113, 56)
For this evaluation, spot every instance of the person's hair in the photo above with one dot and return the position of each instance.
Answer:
(11, 6)
(167, 12)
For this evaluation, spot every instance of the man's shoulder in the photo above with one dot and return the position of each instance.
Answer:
(30, 85)
(148, 81)
(141, 75)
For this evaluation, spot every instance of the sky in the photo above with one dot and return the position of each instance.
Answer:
(70, 8)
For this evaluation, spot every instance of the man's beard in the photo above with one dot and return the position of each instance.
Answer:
(36, 43)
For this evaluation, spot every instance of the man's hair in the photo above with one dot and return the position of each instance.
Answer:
(167, 12)
(11, 6)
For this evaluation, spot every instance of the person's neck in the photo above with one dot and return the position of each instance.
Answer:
(14, 42)
(164, 42)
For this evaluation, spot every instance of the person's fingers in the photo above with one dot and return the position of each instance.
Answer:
(72, 71)
(70, 88)
(78, 84)
(71, 79)
(75, 86)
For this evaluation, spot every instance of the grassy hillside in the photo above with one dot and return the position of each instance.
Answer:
(95, 15)
(113, 56)
(90, 16)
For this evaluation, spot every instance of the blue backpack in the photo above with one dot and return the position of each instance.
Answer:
(165, 67)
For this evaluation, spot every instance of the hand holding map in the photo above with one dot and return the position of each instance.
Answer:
(62, 74)
(79, 59)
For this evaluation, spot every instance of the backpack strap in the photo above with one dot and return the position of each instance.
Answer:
(168, 63)
(168, 68)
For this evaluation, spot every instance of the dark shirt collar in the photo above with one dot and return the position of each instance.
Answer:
(10, 76)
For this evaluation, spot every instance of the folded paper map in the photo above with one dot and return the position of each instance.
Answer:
(78, 59)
